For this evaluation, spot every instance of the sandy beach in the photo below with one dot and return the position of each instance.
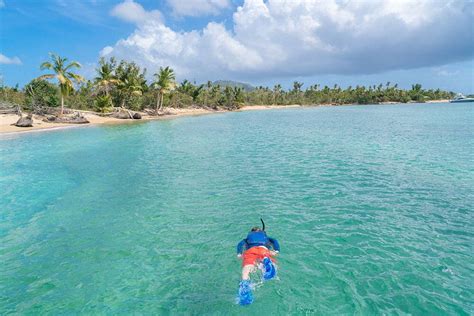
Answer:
(438, 101)
(268, 107)
(7, 120)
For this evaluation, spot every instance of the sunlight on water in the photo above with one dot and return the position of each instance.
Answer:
(372, 205)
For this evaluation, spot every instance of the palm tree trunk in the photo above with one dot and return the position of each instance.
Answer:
(161, 101)
(157, 103)
(62, 105)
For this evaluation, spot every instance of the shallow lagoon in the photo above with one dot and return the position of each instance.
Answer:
(373, 207)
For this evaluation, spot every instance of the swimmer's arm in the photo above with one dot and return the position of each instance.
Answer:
(276, 245)
(240, 247)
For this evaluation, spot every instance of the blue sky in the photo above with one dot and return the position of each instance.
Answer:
(255, 41)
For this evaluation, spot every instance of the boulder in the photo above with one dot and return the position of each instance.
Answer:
(26, 121)
(124, 115)
(75, 119)
(50, 119)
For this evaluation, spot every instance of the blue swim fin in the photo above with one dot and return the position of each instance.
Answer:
(245, 293)
(269, 269)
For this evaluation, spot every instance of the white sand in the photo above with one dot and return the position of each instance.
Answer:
(6, 120)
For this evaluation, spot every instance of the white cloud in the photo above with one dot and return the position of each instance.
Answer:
(106, 51)
(133, 12)
(289, 38)
(446, 73)
(198, 7)
(9, 61)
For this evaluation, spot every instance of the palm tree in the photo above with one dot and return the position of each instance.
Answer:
(297, 91)
(129, 87)
(186, 87)
(62, 72)
(164, 83)
(106, 78)
(130, 82)
(277, 89)
(297, 86)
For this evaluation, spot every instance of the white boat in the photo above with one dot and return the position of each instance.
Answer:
(461, 98)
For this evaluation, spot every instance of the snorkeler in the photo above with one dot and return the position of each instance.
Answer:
(259, 252)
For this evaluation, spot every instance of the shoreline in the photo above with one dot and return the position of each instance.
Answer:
(94, 120)
(6, 120)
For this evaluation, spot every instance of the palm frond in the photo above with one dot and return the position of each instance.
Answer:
(48, 76)
(72, 65)
(46, 65)
(75, 77)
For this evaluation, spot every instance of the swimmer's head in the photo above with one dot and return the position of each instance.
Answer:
(256, 229)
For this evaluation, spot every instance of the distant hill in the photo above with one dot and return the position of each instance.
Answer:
(229, 83)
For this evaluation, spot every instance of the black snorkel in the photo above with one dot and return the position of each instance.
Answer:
(263, 224)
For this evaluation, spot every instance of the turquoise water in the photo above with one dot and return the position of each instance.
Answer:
(373, 207)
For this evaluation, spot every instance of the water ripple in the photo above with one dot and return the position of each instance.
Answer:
(372, 205)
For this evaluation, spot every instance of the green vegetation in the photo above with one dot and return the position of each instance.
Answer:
(12, 96)
(164, 84)
(64, 75)
(103, 103)
(39, 93)
(124, 85)
(106, 78)
(131, 84)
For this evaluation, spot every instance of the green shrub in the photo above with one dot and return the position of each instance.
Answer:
(103, 104)
(11, 97)
(41, 93)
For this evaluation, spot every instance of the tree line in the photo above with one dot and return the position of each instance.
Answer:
(123, 84)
